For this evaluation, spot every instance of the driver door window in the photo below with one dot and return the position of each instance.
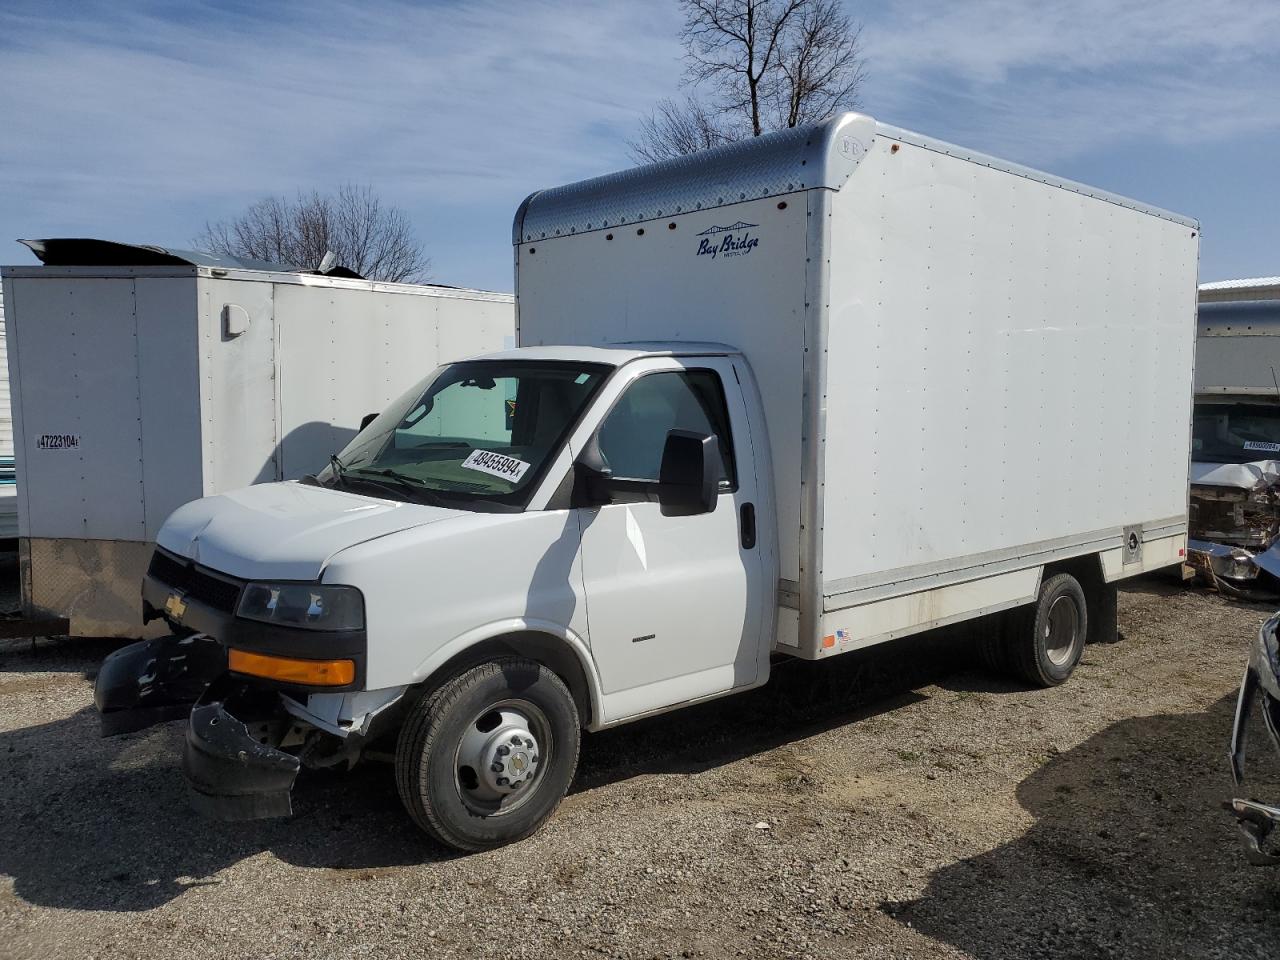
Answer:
(633, 435)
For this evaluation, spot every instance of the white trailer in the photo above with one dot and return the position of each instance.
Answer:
(795, 395)
(145, 378)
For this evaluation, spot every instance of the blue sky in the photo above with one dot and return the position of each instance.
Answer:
(139, 121)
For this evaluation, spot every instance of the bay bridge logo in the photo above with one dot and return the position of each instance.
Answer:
(734, 240)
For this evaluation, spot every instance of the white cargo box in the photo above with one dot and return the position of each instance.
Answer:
(138, 389)
(969, 369)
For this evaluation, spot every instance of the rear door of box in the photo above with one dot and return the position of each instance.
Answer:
(107, 443)
(75, 340)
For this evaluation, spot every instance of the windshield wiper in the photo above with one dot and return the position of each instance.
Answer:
(338, 469)
(412, 485)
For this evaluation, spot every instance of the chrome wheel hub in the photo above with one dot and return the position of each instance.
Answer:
(1060, 630)
(512, 760)
(500, 756)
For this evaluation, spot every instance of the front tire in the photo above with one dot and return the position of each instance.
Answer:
(488, 757)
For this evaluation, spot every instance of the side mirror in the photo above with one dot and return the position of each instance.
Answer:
(367, 419)
(689, 480)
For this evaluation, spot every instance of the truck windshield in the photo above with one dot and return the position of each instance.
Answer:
(476, 433)
(1235, 432)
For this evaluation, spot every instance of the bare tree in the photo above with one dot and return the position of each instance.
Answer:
(374, 240)
(675, 129)
(821, 65)
(756, 65)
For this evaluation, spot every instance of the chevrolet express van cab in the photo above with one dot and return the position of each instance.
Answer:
(811, 392)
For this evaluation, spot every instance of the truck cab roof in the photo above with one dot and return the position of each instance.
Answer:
(615, 354)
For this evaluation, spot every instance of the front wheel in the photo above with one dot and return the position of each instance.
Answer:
(487, 758)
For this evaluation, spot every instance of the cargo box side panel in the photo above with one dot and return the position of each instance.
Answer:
(342, 354)
(80, 466)
(1010, 365)
(238, 404)
(652, 281)
(169, 397)
(467, 327)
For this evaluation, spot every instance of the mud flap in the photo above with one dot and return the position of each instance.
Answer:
(153, 681)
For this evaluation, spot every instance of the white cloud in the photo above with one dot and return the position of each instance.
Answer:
(1044, 81)
(110, 117)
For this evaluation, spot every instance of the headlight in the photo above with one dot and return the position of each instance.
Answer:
(314, 606)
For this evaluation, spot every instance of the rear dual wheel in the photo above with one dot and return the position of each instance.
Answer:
(1042, 642)
(486, 759)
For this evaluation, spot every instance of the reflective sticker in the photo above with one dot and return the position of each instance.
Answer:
(1261, 445)
(828, 641)
(496, 464)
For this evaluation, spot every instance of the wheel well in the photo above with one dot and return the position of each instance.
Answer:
(550, 651)
(1087, 569)
(1098, 594)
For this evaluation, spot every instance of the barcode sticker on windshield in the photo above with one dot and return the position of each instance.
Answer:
(486, 461)
(1261, 445)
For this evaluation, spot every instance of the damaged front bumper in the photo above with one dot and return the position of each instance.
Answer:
(247, 739)
(1235, 566)
(1261, 684)
(152, 681)
(1235, 524)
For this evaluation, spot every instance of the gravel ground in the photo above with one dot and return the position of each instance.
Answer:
(893, 803)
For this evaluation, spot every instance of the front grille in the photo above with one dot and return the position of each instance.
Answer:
(217, 592)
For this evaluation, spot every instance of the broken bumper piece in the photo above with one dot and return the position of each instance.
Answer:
(153, 681)
(233, 771)
(1261, 683)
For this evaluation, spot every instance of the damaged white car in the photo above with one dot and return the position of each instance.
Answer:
(1235, 507)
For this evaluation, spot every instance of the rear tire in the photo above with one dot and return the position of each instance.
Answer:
(993, 648)
(1046, 639)
(488, 757)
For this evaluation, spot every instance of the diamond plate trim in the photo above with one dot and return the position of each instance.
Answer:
(817, 155)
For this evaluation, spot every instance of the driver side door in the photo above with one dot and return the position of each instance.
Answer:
(674, 603)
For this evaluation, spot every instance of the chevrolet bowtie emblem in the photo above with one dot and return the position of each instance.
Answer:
(175, 606)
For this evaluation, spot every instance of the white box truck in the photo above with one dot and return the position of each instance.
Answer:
(143, 378)
(792, 396)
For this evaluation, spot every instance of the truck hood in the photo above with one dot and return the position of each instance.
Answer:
(1257, 475)
(285, 531)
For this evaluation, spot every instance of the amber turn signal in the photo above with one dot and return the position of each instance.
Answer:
(315, 673)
